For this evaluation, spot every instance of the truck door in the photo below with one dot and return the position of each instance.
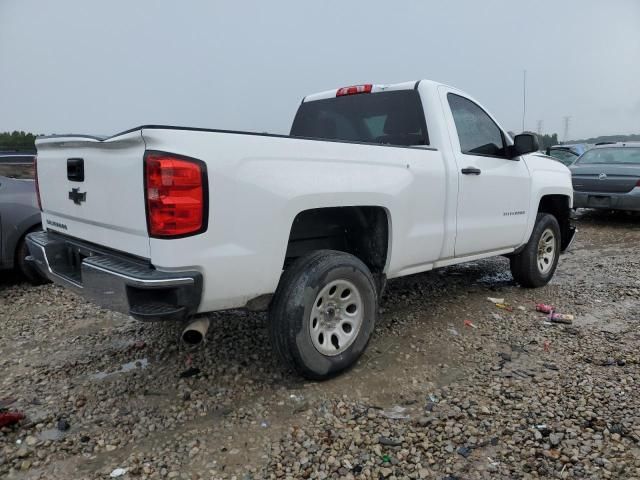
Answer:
(493, 190)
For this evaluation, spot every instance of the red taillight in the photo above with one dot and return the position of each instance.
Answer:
(35, 177)
(176, 195)
(354, 90)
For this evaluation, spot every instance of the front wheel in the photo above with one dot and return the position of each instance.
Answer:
(323, 313)
(535, 265)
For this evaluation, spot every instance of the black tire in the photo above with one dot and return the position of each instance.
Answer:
(525, 267)
(27, 270)
(290, 312)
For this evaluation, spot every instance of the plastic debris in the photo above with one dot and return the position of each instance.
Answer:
(264, 424)
(544, 308)
(495, 300)
(386, 458)
(9, 418)
(546, 345)
(522, 308)
(469, 323)
(561, 318)
(118, 472)
(395, 413)
(433, 398)
(504, 306)
(453, 331)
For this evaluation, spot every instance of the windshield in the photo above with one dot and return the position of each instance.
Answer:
(393, 118)
(565, 156)
(613, 155)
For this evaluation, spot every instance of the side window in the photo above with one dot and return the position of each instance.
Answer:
(478, 134)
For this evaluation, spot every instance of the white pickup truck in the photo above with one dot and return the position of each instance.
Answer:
(374, 182)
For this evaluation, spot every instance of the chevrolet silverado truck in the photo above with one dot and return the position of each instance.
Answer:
(374, 182)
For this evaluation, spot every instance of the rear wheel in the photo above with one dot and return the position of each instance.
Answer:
(323, 313)
(535, 265)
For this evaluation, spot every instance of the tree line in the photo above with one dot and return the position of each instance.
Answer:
(17, 141)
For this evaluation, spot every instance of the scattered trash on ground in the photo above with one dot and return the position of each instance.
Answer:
(546, 345)
(495, 300)
(544, 308)
(10, 418)
(118, 472)
(561, 318)
(190, 372)
(469, 323)
(395, 413)
(505, 306)
(551, 366)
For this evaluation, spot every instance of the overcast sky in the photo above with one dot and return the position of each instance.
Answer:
(104, 66)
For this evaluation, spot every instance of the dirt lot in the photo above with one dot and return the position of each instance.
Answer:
(509, 397)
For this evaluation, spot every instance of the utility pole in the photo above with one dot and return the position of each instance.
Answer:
(540, 124)
(524, 97)
(566, 119)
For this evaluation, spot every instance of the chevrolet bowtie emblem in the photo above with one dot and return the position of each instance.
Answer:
(76, 196)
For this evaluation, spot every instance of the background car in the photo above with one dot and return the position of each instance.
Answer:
(567, 154)
(608, 177)
(19, 215)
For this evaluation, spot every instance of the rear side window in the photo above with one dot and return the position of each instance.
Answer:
(478, 134)
(392, 118)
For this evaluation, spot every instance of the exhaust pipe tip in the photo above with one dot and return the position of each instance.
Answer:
(195, 332)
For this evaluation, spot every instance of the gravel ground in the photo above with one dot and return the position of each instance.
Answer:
(508, 396)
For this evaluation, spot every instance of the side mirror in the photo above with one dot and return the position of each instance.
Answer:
(524, 143)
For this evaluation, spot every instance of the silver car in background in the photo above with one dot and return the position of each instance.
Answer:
(19, 215)
(608, 177)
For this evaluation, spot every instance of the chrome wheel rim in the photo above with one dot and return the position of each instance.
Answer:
(546, 251)
(336, 317)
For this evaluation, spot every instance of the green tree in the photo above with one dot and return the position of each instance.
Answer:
(17, 141)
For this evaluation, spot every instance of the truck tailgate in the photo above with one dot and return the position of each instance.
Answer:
(93, 190)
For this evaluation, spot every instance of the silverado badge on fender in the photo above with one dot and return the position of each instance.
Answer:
(76, 196)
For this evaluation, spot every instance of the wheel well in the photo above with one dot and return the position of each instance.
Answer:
(361, 231)
(35, 227)
(558, 206)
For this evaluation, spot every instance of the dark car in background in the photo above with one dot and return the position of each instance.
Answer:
(19, 213)
(608, 177)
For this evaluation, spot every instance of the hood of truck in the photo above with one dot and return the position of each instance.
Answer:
(93, 189)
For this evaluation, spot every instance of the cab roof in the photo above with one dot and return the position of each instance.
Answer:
(370, 88)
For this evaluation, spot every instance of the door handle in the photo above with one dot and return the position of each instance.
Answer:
(471, 171)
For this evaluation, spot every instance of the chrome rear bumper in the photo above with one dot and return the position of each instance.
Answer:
(114, 280)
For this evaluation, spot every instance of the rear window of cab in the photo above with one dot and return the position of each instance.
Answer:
(388, 118)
